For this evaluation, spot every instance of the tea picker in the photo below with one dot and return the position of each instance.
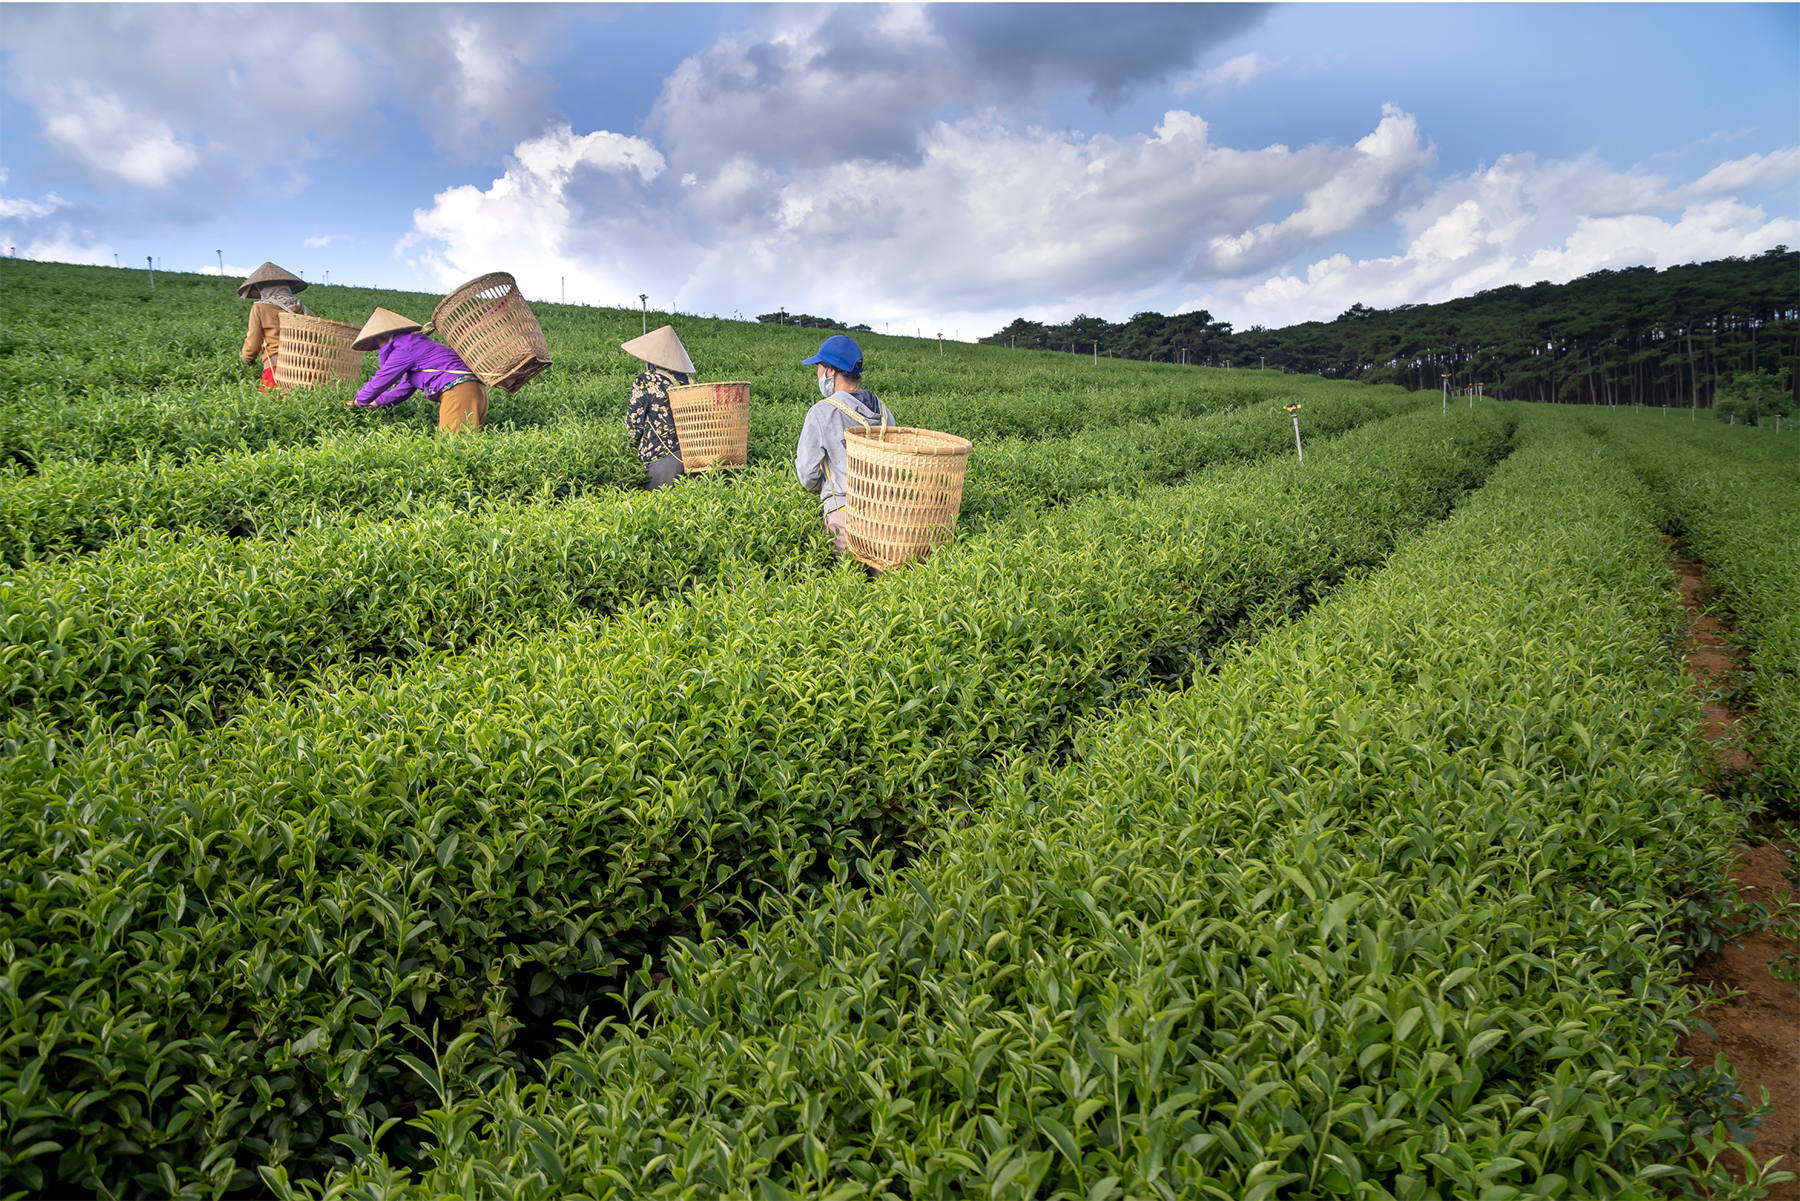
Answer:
(411, 362)
(648, 417)
(270, 289)
(820, 460)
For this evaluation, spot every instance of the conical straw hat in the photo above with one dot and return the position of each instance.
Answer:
(662, 348)
(269, 273)
(382, 321)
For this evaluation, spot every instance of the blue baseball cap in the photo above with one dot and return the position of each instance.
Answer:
(840, 352)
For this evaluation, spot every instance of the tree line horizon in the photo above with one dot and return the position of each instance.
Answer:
(1635, 335)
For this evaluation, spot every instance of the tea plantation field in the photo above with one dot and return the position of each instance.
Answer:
(395, 815)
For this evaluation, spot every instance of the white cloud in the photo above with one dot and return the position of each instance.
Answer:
(1238, 71)
(63, 244)
(100, 130)
(1519, 222)
(18, 207)
(231, 270)
(323, 240)
(1740, 175)
(152, 96)
(987, 215)
(1364, 187)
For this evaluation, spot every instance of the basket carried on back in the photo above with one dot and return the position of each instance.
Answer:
(903, 492)
(315, 351)
(712, 424)
(488, 323)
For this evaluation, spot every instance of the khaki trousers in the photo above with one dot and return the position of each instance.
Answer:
(463, 407)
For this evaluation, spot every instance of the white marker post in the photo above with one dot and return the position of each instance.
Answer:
(1294, 412)
(1446, 386)
(644, 300)
(150, 266)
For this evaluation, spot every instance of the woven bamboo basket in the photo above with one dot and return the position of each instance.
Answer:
(712, 424)
(315, 351)
(903, 492)
(488, 323)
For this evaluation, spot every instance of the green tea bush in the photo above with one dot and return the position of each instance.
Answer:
(188, 624)
(71, 507)
(1384, 907)
(1733, 495)
(218, 940)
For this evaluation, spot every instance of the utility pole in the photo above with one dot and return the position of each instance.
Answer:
(221, 255)
(644, 300)
(1446, 378)
(150, 266)
(940, 344)
(116, 258)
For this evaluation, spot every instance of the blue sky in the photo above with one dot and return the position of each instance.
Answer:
(929, 167)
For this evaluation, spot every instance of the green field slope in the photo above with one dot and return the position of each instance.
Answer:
(94, 367)
(1385, 907)
(264, 908)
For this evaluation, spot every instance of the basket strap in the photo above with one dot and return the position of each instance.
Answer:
(883, 416)
(835, 403)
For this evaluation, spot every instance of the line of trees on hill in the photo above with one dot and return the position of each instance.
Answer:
(1637, 335)
(808, 321)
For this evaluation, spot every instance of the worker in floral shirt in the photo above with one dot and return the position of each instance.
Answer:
(648, 418)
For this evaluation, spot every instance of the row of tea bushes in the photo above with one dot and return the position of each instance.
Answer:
(1733, 496)
(1385, 907)
(219, 939)
(188, 624)
(74, 507)
(77, 507)
(95, 367)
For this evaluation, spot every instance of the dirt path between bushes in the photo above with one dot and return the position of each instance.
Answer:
(1759, 1031)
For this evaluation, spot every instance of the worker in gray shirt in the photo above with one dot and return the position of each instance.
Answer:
(820, 460)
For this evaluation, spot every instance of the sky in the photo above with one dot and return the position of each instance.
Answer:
(937, 168)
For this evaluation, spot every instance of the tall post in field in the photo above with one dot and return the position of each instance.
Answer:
(1445, 377)
(221, 255)
(644, 300)
(1294, 412)
(150, 266)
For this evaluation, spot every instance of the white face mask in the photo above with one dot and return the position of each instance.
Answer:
(828, 385)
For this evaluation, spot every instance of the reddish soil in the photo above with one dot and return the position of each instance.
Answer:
(1759, 1029)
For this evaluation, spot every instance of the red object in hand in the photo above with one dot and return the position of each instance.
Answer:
(268, 379)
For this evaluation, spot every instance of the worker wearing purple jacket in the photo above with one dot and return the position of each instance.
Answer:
(410, 362)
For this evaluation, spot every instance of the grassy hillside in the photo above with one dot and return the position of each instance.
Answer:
(93, 364)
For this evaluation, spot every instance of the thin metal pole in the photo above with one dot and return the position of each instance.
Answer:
(1298, 449)
(221, 255)
(150, 266)
(644, 299)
